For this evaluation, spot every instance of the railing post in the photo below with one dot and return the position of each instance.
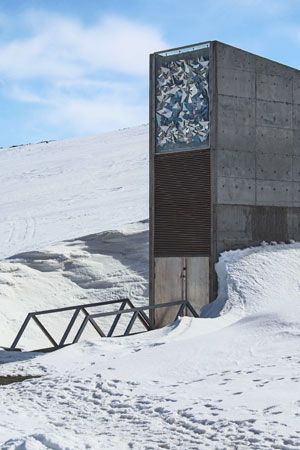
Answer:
(93, 322)
(180, 310)
(45, 331)
(80, 331)
(192, 310)
(116, 319)
(69, 327)
(145, 320)
(21, 331)
(130, 325)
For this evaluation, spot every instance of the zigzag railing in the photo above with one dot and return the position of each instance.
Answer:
(125, 307)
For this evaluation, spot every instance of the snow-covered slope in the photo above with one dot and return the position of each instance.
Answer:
(230, 382)
(72, 190)
(67, 189)
(227, 381)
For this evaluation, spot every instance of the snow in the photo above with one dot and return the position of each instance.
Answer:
(229, 380)
(66, 189)
(224, 382)
(93, 268)
(258, 279)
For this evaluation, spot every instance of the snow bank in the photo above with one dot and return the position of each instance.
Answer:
(223, 382)
(258, 280)
(93, 268)
(262, 280)
(227, 381)
(65, 189)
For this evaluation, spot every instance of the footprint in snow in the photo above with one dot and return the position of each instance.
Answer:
(117, 188)
(269, 408)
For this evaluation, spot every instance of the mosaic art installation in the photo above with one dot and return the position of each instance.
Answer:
(182, 104)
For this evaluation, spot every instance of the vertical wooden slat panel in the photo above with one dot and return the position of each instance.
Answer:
(168, 287)
(182, 203)
(197, 283)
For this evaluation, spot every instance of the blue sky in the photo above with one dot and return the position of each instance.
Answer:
(71, 68)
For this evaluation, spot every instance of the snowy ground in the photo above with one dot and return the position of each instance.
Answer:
(67, 189)
(230, 381)
(98, 267)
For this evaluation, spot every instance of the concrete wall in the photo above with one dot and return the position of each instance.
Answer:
(257, 151)
(255, 173)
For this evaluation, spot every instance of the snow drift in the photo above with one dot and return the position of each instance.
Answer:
(93, 268)
(224, 382)
(257, 280)
(227, 380)
(109, 265)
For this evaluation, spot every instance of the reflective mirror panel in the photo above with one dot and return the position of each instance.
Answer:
(182, 101)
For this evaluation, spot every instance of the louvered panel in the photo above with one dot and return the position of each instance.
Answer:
(182, 204)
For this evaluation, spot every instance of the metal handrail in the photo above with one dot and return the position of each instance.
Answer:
(126, 306)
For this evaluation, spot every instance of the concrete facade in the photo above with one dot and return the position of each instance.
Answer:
(254, 147)
(256, 153)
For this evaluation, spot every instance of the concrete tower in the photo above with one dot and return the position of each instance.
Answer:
(224, 164)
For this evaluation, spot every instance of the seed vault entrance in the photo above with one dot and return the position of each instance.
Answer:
(179, 278)
(180, 193)
(224, 163)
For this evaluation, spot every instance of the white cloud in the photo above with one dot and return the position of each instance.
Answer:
(101, 113)
(76, 77)
(22, 94)
(60, 47)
